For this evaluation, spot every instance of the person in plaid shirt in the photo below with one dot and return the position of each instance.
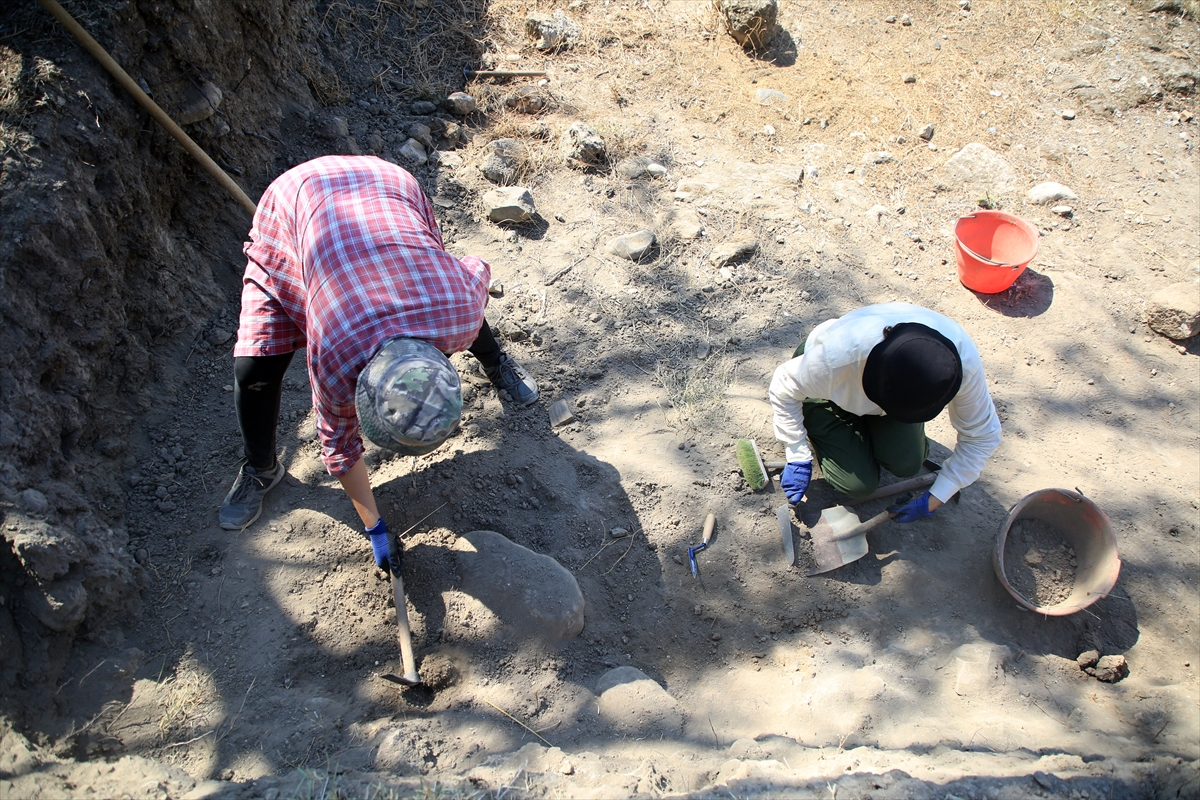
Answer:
(344, 257)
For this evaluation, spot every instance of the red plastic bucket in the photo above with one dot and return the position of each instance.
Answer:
(992, 249)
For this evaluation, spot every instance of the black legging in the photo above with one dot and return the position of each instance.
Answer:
(258, 388)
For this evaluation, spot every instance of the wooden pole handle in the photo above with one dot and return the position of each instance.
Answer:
(710, 522)
(160, 116)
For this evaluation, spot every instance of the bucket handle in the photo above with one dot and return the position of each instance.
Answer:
(984, 259)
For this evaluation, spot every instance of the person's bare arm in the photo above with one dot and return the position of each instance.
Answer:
(357, 484)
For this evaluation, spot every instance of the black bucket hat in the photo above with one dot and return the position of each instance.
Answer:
(913, 373)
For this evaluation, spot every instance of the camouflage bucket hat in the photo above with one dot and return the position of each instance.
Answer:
(408, 397)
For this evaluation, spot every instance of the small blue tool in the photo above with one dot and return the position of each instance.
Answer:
(710, 522)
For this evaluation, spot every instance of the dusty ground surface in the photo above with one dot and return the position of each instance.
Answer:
(246, 664)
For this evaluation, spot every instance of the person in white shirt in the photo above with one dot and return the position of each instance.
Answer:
(859, 391)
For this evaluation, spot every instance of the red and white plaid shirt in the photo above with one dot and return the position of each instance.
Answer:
(344, 255)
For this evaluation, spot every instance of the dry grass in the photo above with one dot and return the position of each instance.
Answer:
(188, 694)
(696, 392)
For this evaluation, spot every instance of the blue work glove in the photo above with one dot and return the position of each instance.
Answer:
(380, 547)
(912, 510)
(795, 480)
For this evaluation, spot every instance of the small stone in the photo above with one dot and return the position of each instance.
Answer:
(811, 171)
(769, 130)
(560, 414)
(891, 20)
(881, 157)
(656, 170)
(906, 21)
(1050, 192)
(633, 246)
(909, 77)
(926, 133)
(618, 533)
(422, 133)
(422, 108)
(1063, 211)
(1088, 658)
(566, 767)
(1033, 558)
(460, 103)
(141, 555)
(1174, 311)
(509, 204)
(502, 161)
(965, 5)
(1067, 114)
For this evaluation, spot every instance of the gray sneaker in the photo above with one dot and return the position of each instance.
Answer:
(244, 502)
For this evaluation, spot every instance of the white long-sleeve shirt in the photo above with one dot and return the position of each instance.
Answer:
(832, 368)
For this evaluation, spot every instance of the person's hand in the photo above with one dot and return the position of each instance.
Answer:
(795, 480)
(914, 509)
(381, 547)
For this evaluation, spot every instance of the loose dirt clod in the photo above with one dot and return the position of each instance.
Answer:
(1039, 563)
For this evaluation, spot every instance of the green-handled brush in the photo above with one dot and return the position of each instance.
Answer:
(753, 469)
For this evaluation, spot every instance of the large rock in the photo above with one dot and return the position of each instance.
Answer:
(977, 166)
(551, 31)
(414, 152)
(579, 144)
(502, 161)
(752, 23)
(1174, 311)
(632, 703)
(509, 204)
(527, 590)
(634, 246)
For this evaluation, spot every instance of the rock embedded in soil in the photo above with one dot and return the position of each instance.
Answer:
(729, 252)
(412, 152)
(1050, 192)
(551, 31)
(1174, 311)
(751, 23)
(579, 144)
(332, 128)
(527, 590)
(979, 166)
(632, 703)
(501, 161)
(422, 133)
(633, 246)
(509, 204)
(200, 103)
(460, 103)
(681, 223)
(926, 133)
(34, 501)
(422, 108)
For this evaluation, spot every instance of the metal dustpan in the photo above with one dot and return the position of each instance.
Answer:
(840, 537)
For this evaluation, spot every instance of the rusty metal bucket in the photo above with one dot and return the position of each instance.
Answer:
(1082, 525)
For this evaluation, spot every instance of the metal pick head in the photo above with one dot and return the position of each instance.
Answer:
(412, 679)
